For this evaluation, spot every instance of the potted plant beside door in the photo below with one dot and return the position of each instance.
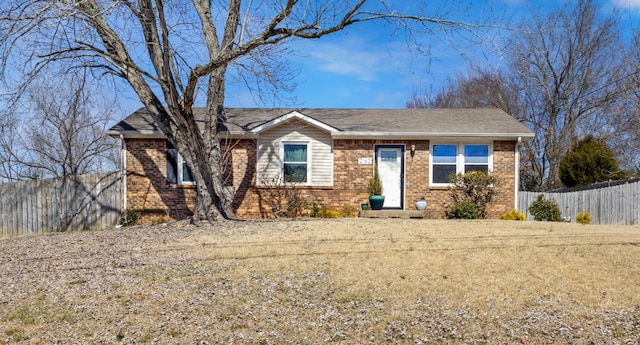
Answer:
(374, 187)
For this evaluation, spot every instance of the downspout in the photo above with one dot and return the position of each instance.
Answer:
(123, 173)
(516, 193)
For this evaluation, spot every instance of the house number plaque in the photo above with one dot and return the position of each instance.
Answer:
(365, 161)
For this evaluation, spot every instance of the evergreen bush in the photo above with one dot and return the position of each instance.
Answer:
(374, 187)
(545, 210)
(463, 210)
(590, 160)
(130, 217)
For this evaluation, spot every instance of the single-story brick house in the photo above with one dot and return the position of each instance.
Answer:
(331, 154)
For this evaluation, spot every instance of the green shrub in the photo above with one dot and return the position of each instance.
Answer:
(463, 210)
(513, 215)
(583, 218)
(477, 187)
(545, 209)
(374, 187)
(589, 160)
(130, 217)
(315, 210)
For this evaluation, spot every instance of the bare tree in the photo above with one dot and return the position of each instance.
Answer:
(478, 88)
(189, 46)
(8, 126)
(566, 66)
(625, 139)
(58, 129)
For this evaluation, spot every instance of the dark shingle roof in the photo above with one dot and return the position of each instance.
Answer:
(360, 122)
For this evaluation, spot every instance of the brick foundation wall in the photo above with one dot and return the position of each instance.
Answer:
(158, 200)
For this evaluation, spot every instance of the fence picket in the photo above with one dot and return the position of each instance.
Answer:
(81, 202)
(617, 204)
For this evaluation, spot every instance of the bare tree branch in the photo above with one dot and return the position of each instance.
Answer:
(188, 47)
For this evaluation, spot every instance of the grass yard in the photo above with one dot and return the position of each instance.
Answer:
(325, 281)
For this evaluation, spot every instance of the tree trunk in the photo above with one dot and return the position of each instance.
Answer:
(215, 118)
(201, 148)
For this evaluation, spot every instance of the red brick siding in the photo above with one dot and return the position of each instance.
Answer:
(147, 188)
(149, 191)
(504, 165)
(242, 159)
(439, 199)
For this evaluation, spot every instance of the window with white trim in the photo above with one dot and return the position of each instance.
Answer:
(177, 170)
(447, 159)
(295, 162)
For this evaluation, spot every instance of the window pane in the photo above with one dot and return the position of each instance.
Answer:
(471, 167)
(295, 172)
(172, 159)
(476, 154)
(388, 156)
(186, 173)
(444, 153)
(295, 152)
(441, 173)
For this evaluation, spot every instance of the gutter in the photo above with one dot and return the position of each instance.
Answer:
(516, 191)
(159, 135)
(423, 135)
(123, 173)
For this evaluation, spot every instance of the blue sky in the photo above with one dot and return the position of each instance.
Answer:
(369, 67)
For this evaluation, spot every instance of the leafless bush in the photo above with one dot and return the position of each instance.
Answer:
(284, 199)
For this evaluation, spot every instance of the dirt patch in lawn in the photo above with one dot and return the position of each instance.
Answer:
(318, 281)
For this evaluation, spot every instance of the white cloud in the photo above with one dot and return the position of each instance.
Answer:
(337, 59)
(630, 4)
(351, 56)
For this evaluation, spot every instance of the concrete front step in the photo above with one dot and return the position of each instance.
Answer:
(392, 214)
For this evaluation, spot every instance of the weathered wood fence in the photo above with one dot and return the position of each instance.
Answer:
(80, 202)
(618, 204)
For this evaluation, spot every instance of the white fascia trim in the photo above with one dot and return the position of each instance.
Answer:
(238, 135)
(294, 115)
(160, 135)
(137, 134)
(418, 135)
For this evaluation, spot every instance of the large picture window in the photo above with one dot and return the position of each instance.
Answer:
(295, 162)
(177, 170)
(447, 159)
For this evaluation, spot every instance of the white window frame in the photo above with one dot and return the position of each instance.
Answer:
(181, 164)
(460, 161)
(309, 167)
(178, 168)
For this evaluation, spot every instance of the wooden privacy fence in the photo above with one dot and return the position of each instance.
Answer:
(82, 202)
(618, 204)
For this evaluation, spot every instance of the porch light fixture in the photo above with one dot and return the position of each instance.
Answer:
(413, 150)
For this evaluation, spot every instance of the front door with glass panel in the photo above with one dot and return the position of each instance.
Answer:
(390, 161)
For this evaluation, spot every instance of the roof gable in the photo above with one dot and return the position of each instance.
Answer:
(291, 116)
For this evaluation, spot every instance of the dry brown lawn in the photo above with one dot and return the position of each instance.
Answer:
(308, 281)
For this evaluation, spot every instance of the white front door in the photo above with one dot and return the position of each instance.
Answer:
(390, 166)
